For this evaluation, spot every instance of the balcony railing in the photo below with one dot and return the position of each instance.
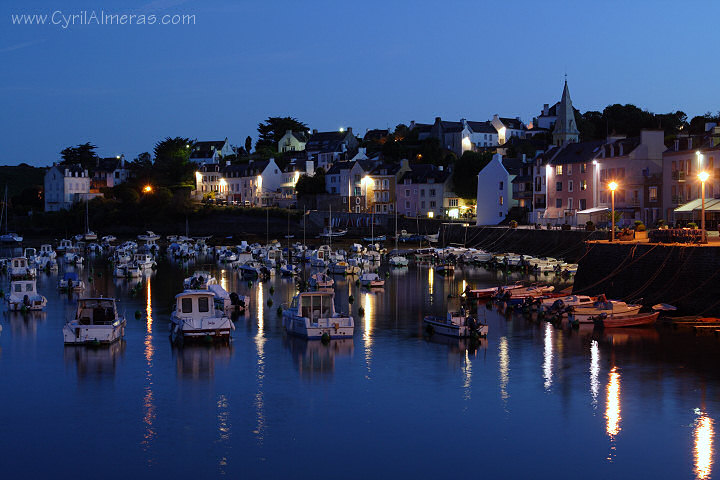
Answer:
(678, 175)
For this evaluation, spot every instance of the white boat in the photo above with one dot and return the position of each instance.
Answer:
(127, 270)
(228, 302)
(7, 237)
(73, 258)
(200, 280)
(254, 270)
(24, 296)
(144, 261)
(568, 301)
(341, 267)
(109, 239)
(149, 236)
(371, 280)
(312, 315)
(195, 316)
(610, 308)
(455, 324)
(532, 291)
(320, 256)
(11, 238)
(64, 246)
(321, 280)
(19, 268)
(96, 321)
(47, 251)
(71, 283)
(398, 261)
(329, 233)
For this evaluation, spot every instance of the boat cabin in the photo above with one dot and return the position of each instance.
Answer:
(195, 304)
(96, 311)
(19, 262)
(20, 288)
(30, 253)
(46, 249)
(314, 305)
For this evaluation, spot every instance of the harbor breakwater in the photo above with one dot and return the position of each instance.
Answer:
(687, 277)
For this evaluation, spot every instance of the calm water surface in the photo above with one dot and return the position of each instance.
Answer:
(530, 402)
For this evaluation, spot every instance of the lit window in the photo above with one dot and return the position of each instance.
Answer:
(558, 169)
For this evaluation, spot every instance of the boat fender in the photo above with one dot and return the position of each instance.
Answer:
(325, 337)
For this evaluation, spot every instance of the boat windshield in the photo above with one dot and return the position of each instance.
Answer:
(96, 312)
(316, 306)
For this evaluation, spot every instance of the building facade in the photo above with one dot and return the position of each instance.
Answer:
(65, 185)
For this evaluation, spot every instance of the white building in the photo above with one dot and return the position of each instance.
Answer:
(65, 185)
(494, 192)
(292, 142)
(211, 151)
(251, 184)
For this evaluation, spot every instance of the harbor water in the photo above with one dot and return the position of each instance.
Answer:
(530, 401)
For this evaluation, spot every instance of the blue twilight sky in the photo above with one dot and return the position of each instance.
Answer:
(369, 64)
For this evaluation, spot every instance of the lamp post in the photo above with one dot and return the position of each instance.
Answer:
(703, 176)
(612, 186)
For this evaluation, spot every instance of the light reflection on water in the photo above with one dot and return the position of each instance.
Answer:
(612, 410)
(367, 302)
(548, 356)
(260, 369)
(149, 398)
(594, 371)
(504, 367)
(704, 435)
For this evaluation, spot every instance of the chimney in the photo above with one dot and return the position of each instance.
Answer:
(349, 130)
(546, 109)
(519, 119)
(496, 117)
(314, 131)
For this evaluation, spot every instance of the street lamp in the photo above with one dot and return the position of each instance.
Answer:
(703, 176)
(612, 186)
(147, 189)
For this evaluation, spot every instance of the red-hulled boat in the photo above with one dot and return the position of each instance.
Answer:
(639, 320)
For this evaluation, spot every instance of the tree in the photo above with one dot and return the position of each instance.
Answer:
(311, 185)
(172, 166)
(248, 144)
(466, 173)
(83, 155)
(272, 130)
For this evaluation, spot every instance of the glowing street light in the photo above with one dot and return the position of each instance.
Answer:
(612, 186)
(147, 189)
(703, 176)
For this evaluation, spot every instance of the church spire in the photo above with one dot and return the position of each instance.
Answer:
(565, 130)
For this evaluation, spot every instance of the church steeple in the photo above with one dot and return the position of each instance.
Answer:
(565, 130)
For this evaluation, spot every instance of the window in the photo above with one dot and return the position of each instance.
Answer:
(501, 200)
(620, 173)
(407, 193)
(652, 194)
(407, 205)
(558, 203)
(583, 168)
(432, 192)
(357, 178)
(558, 169)
(570, 203)
(334, 190)
(203, 304)
(570, 185)
(582, 204)
(18, 287)
(558, 186)
(422, 204)
(500, 187)
(583, 185)
(186, 305)
(453, 202)
(386, 184)
(432, 204)
(422, 192)
(569, 169)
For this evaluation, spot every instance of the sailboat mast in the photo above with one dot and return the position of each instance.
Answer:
(330, 231)
(396, 235)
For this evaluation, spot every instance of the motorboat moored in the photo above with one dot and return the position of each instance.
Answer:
(96, 321)
(312, 315)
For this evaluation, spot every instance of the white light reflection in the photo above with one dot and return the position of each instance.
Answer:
(467, 374)
(367, 332)
(612, 410)
(431, 279)
(223, 417)
(260, 347)
(504, 360)
(548, 356)
(149, 398)
(704, 434)
(223, 280)
(594, 372)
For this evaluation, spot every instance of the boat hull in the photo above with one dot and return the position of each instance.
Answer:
(629, 321)
(335, 328)
(76, 334)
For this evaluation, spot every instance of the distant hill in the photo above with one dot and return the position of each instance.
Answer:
(19, 177)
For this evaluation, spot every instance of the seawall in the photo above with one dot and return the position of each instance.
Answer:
(568, 245)
(687, 277)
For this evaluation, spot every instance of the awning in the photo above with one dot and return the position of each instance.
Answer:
(711, 205)
(593, 210)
